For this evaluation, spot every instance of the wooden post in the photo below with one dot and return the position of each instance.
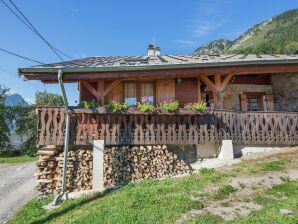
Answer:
(270, 102)
(218, 88)
(199, 90)
(243, 102)
(100, 90)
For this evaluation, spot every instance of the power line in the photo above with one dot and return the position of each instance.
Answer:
(37, 33)
(20, 56)
(33, 29)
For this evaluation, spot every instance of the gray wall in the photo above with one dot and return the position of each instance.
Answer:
(285, 91)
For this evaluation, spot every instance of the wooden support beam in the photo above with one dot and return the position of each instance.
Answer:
(90, 88)
(100, 91)
(113, 85)
(208, 82)
(226, 80)
(216, 87)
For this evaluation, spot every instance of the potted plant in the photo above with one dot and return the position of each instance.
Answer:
(200, 107)
(145, 105)
(169, 106)
(116, 106)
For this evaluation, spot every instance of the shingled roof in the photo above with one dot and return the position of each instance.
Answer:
(157, 66)
(119, 61)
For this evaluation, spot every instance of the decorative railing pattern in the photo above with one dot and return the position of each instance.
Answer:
(257, 128)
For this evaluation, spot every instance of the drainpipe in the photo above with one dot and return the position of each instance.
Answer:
(60, 196)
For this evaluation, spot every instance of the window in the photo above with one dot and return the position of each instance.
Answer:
(137, 91)
(130, 93)
(147, 91)
(254, 101)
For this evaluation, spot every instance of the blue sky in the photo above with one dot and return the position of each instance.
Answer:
(93, 28)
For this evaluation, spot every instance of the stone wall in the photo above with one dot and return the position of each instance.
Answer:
(233, 102)
(122, 165)
(285, 91)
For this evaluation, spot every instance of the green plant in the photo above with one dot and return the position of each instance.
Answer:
(89, 104)
(117, 106)
(198, 107)
(169, 105)
(145, 106)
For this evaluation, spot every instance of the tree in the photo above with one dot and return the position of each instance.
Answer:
(48, 99)
(26, 119)
(26, 124)
(4, 115)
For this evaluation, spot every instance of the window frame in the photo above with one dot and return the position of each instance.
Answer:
(258, 95)
(139, 89)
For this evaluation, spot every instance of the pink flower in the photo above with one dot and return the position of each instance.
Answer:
(145, 99)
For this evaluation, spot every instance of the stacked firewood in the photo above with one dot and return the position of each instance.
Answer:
(50, 167)
(124, 164)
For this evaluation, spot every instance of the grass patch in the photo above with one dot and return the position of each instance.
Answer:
(205, 170)
(250, 167)
(164, 201)
(150, 201)
(273, 166)
(14, 156)
(224, 191)
(17, 159)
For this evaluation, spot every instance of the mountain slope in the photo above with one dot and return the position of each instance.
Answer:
(15, 99)
(277, 35)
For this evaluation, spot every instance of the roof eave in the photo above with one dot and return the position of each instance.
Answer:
(40, 70)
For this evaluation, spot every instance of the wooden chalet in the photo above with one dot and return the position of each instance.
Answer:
(260, 86)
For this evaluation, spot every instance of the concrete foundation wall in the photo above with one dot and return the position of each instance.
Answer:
(285, 91)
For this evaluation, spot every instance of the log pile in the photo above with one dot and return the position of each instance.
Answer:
(124, 164)
(50, 166)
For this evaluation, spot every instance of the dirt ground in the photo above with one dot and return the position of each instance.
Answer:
(16, 187)
(240, 202)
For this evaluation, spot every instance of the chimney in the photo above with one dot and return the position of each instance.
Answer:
(157, 51)
(150, 50)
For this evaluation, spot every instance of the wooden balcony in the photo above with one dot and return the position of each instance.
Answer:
(248, 128)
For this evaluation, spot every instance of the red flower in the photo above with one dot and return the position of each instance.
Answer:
(228, 93)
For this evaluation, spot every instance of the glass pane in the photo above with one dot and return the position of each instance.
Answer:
(130, 95)
(147, 92)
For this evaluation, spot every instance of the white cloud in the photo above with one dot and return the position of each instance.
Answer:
(208, 17)
(186, 43)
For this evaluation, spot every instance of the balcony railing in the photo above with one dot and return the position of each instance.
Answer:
(248, 128)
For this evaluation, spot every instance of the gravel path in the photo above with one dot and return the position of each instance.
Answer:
(16, 187)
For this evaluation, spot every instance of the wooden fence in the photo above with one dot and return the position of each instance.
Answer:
(249, 128)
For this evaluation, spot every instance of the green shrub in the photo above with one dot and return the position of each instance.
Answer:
(169, 105)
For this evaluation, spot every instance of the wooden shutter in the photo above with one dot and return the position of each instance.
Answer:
(243, 102)
(270, 102)
(165, 90)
